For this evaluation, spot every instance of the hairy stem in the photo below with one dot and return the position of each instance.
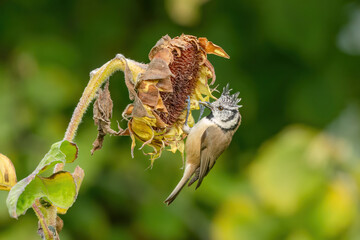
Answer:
(97, 78)
(45, 230)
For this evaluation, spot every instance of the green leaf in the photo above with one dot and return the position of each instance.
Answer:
(59, 189)
(60, 152)
(78, 176)
(70, 150)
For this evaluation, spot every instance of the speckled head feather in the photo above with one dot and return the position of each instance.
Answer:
(230, 100)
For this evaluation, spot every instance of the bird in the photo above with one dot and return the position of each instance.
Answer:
(208, 138)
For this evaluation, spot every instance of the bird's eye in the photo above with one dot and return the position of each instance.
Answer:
(220, 108)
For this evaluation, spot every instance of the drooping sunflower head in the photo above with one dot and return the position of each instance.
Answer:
(178, 68)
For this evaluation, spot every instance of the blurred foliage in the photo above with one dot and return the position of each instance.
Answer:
(292, 171)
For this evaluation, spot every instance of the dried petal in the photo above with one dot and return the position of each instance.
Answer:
(212, 48)
(148, 93)
(139, 109)
(159, 70)
(159, 46)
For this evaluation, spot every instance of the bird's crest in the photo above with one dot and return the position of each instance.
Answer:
(231, 100)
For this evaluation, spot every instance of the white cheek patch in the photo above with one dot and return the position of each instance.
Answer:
(227, 125)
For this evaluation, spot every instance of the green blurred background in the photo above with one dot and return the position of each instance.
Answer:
(293, 169)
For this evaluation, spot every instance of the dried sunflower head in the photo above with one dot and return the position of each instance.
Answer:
(178, 68)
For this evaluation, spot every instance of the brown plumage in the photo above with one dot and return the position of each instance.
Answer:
(208, 139)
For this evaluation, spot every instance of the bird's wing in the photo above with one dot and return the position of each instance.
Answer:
(212, 142)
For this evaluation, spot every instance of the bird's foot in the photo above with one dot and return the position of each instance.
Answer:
(201, 111)
(186, 127)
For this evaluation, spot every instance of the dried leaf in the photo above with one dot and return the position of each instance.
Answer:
(78, 176)
(101, 115)
(103, 105)
(59, 224)
(98, 143)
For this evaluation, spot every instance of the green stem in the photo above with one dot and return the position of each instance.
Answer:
(97, 78)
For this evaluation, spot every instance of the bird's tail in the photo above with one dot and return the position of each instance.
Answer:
(189, 171)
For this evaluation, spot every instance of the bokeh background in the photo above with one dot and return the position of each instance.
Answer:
(293, 169)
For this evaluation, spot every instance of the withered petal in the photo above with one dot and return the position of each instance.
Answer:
(124, 132)
(157, 69)
(211, 68)
(129, 81)
(182, 41)
(159, 123)
(148, 94)
(139, 109)
(160, 106)
(212, 48)
(165, 85)
(165, 55)
(128, 111)
(131, 133)
(135, 109)
(158, 46)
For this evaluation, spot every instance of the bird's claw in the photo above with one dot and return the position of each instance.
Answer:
(201, 111)
(186, 127)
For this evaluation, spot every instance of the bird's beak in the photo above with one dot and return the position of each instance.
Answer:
(206, 104)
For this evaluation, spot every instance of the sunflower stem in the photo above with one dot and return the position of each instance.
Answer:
(97, 78)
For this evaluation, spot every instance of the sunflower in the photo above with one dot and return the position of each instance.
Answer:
(178, 68)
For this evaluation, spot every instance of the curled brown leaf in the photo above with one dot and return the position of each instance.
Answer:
(102, 114)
